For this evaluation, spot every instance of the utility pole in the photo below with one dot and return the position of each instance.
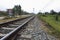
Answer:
(33, 10)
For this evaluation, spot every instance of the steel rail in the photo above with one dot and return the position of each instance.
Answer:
(10, 35)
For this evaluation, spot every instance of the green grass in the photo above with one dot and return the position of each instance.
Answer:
(50, 19)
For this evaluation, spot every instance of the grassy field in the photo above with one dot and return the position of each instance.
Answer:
(50, 19)
(12, 18)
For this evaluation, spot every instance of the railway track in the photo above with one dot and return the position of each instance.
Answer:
(24, 29)
(33, 31)
(10, 29)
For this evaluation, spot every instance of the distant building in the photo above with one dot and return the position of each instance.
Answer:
(10, 12)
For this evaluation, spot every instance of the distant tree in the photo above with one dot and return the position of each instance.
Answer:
(56, 17)
(39, 12)
(53, 12)
(17, 10)
(58, 13)
(46, 13)
(2, 13)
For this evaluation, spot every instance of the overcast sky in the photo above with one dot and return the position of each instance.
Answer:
(28, 5)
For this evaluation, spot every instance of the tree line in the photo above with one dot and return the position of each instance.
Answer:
(52, 12)
(16, 10)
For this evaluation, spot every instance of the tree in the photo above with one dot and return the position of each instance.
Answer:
(53, 12)
(17, 10)
(58, 13)
(3, 13)
(39, 12)
(46, 13)
(56, 17)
